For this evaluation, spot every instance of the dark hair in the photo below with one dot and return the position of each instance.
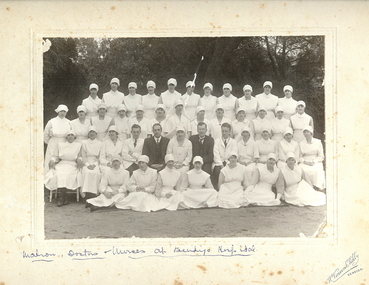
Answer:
(136, 126)
(157, 124)
(202, 124)
(226, 125)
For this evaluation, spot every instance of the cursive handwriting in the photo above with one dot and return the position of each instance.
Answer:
(84, 255)
(117, 251)
(38, 255)
(191, 250)
(351, 263)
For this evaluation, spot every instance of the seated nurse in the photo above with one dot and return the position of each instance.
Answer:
(168, 185)
(112, 187)
(198, 192)
(141, 188)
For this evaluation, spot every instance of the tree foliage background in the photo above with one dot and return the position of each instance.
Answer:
(71, 64)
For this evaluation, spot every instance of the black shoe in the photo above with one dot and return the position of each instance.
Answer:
(60, 202)
(65, 202)
(90, 207)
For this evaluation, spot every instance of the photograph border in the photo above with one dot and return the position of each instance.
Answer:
(331, 128)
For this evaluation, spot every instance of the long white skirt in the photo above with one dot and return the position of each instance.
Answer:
(261, 194)
(315, 173)
(51, 146)
(171, 203)
(250, 169)
(139, 201)
(302, 194)
(230, 195)
(66, 176)
(102, 201)
(90, 180)
(199, 198)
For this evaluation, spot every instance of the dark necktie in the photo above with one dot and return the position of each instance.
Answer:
(225, 143)
(135, 143)
(157, 141)
(201, 141)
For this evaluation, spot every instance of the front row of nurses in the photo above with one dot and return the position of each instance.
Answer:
(148, 190)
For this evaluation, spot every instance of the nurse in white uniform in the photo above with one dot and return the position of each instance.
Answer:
(311, 158)
(64, 165)
(228, 102)
(299, 121)
(56, 131)
(132, 99)
(296, 186)
(268, 100)
(121, 122)
(101, 122)
(287, 102)
(168, 185)
(232, 183)
(112, 146)
(279, 124)
(208, 101)
(113, 98)
(91, 174)
(112, 187)
(141, 188)
(81, 125)
(190, 99)
(248, 103)
(150, 100)
(168, 97)
(260, 190)
(92, 102)
(198, 192)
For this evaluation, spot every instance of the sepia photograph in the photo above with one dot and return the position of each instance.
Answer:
(182, 137)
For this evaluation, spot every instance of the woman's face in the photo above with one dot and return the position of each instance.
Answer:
(180, 135)
(265, 135)
(71, 138)
(190, 89)
(197, 165)
(62, 114)
(207, 91)
(142, 165)
(81, 114)
(139, 114)
(246, 135)
(171, 87)
(102, 111)
(151, 89)
(113, 135)
(271, 162)
(291, 162)
(179, 109)
(288, 94)
(227, 91)
(220, 113)
(116, 164)
(307, 134)
(300, 109)
(288, 137)
(93, 92)
(122, 113)
(114, 86)
(160, 112)
(200, 115)
(92, 135)
(132, 90)
(262, 114)
(280, 114)
(267, 89)
(247, 93)
(232, 160)
(241, 116)
(170, 164)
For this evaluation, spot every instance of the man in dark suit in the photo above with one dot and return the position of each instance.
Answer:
(155, 148)
(203, 145)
